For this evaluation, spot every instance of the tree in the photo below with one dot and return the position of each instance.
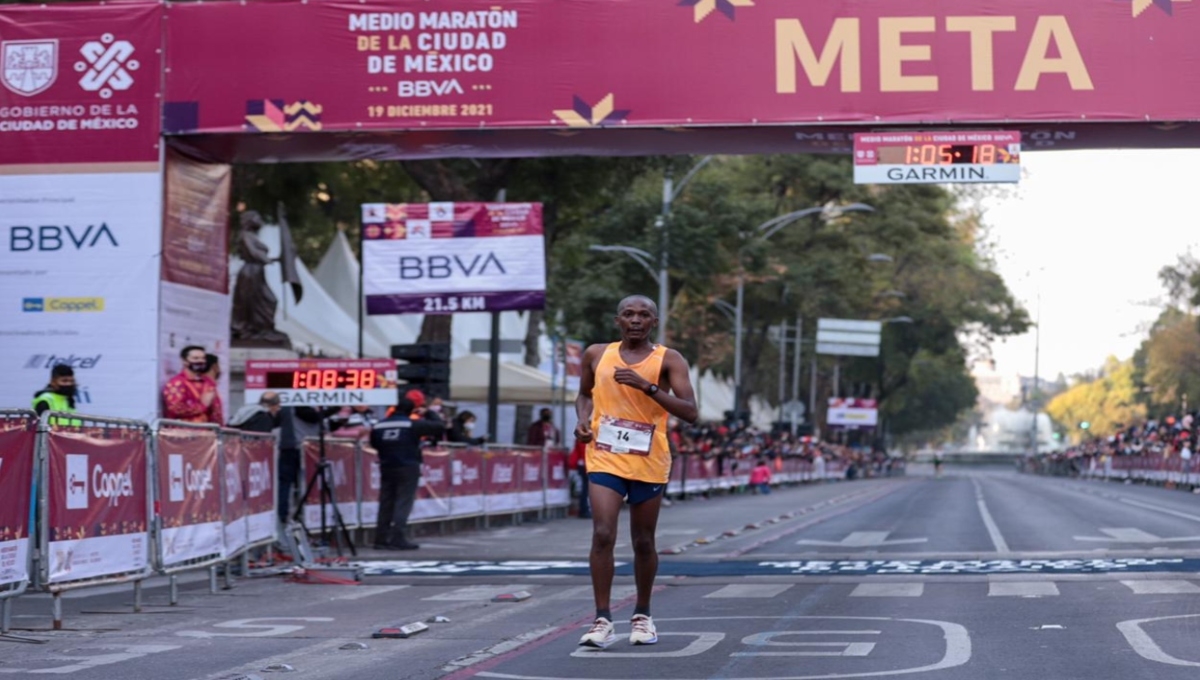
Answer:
(1107, 403)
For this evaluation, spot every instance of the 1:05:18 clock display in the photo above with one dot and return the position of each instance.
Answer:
(328, 379)
(944, 154)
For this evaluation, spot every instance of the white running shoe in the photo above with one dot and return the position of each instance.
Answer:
(600, 635)
(643, 632)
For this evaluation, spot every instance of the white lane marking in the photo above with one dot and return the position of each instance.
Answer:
(585, 593)
(958, 649)
(1022, 589)
(83, 663)
(748, 590)
(864, 539)
(1145, 645)
(993, 530)
(1159, 508)
(497, 649)
(888, 590)
(1162, 587)
(255, 627)
(702, 643)
(360, 592)
(475, 593)
(1133, 535)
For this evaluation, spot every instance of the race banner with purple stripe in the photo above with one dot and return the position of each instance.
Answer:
(442, 258)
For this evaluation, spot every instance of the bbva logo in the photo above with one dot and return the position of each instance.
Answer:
(51, 238)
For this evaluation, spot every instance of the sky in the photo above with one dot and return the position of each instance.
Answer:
(1089, 231)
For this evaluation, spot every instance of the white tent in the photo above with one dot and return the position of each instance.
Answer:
(338, 275)
(519, 384)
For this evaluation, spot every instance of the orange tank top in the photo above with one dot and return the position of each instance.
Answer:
(629, 428)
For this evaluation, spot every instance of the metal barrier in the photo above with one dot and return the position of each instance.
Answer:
(248, 501)
(18, 452)
(94, 504)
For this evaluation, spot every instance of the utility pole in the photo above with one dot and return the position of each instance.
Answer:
(1037, 344)
(796, 370)
(663, 261)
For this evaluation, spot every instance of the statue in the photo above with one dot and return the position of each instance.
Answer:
(254, 302)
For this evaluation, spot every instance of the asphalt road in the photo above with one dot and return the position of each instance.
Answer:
(979, 574)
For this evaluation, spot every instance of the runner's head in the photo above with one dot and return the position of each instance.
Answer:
(637, 317)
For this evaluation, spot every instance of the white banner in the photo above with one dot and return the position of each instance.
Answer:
(853, 413)
(191, 541)
(193, 316)
(261, 526)
(14, 560)
(98, 556)
(79, 286)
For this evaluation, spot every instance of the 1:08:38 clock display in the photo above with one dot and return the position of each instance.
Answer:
(329, 379)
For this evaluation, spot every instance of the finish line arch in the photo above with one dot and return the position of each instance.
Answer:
(95, 96)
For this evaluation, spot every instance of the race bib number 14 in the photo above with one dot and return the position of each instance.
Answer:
(624, 436)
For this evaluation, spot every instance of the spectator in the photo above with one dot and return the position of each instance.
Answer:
(295, 424)
(760, 477)
(214, 367)
(461, 429)
(192, 396)
(543, 433)
(397, 439)
(59, 394)
(352, 422)
(260, 417)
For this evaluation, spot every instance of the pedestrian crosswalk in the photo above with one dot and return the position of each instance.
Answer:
(876, 588)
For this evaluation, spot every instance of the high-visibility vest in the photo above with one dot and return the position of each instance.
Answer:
(60, 403)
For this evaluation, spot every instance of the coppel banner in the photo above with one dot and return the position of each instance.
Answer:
(443, 258)
(79, 269)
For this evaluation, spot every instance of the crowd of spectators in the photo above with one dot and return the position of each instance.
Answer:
(1172, 437)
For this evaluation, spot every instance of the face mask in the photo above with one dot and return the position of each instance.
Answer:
(468, 426)
(198, 367)
(547, 418)
(436, 408)
(67, 390)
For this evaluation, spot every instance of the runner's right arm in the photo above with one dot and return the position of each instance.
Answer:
(583, 403)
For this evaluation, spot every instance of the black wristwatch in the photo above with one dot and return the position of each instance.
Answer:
(652, 390)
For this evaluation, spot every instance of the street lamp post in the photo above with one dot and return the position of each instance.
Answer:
(764, 232)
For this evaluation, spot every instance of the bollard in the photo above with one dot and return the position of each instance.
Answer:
(56, 610)
(174, 590)
(137, 596)
(212, 580)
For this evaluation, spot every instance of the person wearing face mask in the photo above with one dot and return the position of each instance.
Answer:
(543, 433)
(461, 429)
(192, 396)
(59, 394)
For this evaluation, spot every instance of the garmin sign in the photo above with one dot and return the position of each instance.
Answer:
(442, 258)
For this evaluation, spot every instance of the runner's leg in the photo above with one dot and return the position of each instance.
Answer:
(606, 508)
(643, 522)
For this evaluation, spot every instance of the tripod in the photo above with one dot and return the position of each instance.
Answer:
(320, 476)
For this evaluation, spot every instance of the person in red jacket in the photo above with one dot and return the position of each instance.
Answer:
(578, 462)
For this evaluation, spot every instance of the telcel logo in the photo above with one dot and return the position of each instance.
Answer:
(47, 361)
(82, 304)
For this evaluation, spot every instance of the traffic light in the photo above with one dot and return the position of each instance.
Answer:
(427, 368)
(1084, 425)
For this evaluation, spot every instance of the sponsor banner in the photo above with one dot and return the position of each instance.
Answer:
(196, 224)
(502, 484)
(323, 382)
(852, 413)
(433, 494)
(233, 493)
(530, 469)
(340, 455)
(443, 258)
(558, 490)
(370, 481)
(258, 454)
(80, 83)
(97, 515)
(189, 502)
(466, 476)
(17, 439)
(79, 260)
(575, 65)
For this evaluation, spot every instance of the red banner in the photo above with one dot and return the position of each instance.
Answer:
(189, 502)
(233, 511)
(196, 225)
(558, 492)
(502, 486)
(433, 495)
(576, 64)
(80, 83)
(340, 454)
(531, 495)
(466, 477)
(17, 439)
(97, 514)
(258, 458)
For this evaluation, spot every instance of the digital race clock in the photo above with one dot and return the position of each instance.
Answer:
(370, 382)
(936, 157)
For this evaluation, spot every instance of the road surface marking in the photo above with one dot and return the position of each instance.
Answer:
(702, 643)
(84, 663)
(1159, 508)
(1145, 645)
(497, 649)
(1022, 589)
(1162, 587)
(360, 592)
(888, 590)
(264, 627)
(768, 639)
(993, 530)
(864, 539)
(475, 593)
(1133, 535)
(748, 590)
(619, 592)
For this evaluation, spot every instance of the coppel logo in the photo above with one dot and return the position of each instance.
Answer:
(82, 304)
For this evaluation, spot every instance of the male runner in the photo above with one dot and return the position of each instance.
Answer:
(625, 394)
